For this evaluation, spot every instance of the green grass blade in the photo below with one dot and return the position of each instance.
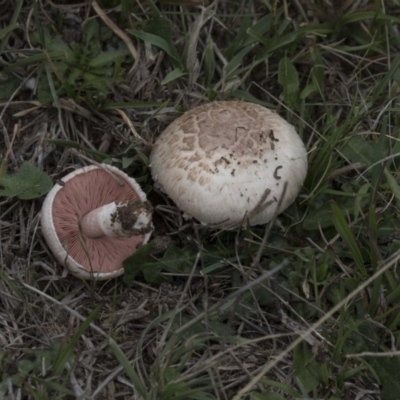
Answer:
(53, 386)
(36, 58)
(346, 234)
(66, 349)
(384, 82)
(132, 104)
(288, 78)
(11, 26)
(129, 370)
(174, 74)
(394, 186)
(7, 30)
(160, 43)
(286, 388)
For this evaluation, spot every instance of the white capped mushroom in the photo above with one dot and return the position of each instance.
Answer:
(94, 219)
(227, 162)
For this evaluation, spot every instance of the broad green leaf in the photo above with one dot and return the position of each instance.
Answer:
(179, 260)
(175, 260)
(303, 361)
(91, 30)
(305, 254)
(357, 149)
(127, 161)
(52, 43)
(160, 27)
(27, 183)
(322, 271)
(79, 70)
(8, 86)
(388, 370)
(108, 57)
(138, 261)
(37, 359)
(320, 217)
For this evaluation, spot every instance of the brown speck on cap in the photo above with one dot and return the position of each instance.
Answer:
(272, 136)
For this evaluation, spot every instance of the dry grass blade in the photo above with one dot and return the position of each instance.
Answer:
(135, 54)
(131, 127)
(3, 164)
(65, 307)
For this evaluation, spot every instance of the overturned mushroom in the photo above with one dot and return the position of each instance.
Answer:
(95, 218)
(228, 161)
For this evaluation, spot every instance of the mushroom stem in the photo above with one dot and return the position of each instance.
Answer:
(118, 219)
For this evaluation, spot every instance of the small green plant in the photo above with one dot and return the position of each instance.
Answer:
(27, 183)
(30, 369)
(86, 70)
(83, 71)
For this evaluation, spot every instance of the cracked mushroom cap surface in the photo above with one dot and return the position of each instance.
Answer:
(69, 201)
(228, 161)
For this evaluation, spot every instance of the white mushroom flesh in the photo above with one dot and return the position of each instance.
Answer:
(118, 219)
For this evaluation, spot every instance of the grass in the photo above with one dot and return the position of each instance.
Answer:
(308, 308)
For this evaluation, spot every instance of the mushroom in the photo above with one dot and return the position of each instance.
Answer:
(95, 218)
(229, 162)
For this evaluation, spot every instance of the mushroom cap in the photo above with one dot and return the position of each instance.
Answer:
(82, 191)
(228, 161)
